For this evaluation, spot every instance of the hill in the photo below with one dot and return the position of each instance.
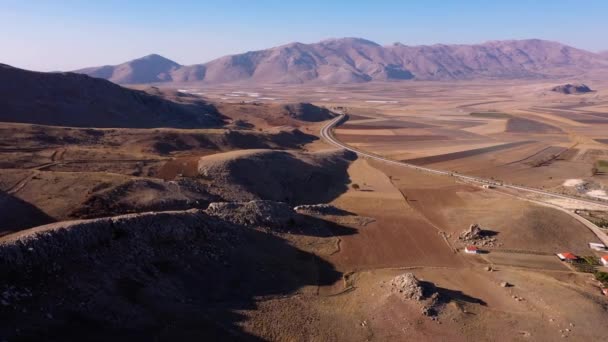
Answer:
(17, 214)
(572, 89)
(356, 60)
(70, 99)
(148, 69)
(293, 177)
(170, 275)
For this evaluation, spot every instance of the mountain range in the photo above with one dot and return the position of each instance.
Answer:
(356, 60)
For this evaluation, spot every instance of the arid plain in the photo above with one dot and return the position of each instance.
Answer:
(520, 133)
(392, 219)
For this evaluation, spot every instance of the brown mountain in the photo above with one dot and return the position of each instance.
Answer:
(70, 99)
(354, 60)
(148, 69)
(497, 59)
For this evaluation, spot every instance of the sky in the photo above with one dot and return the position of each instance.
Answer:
(53, 35)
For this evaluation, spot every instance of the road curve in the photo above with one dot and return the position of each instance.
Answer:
(327, 134)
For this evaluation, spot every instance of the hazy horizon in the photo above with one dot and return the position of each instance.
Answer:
(72, 35)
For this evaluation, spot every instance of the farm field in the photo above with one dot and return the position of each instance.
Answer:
(520, 132)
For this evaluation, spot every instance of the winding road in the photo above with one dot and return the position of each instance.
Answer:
(327, 134)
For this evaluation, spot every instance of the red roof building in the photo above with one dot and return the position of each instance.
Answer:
(567, 256)
(471, 249)
(604, 260)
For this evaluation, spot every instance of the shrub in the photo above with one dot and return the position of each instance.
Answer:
(602, 277)
(592, 260)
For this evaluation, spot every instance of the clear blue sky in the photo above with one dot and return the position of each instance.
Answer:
(70, 34)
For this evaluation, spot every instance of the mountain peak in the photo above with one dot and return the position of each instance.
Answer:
(349, 40)
(148, 69)
(156, 58)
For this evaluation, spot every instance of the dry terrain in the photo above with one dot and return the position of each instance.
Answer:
(189, 260)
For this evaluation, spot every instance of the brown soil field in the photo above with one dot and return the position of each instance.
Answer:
(491, 115)
(348, 138)
(464, 154)
(385, 124)
(521, 125)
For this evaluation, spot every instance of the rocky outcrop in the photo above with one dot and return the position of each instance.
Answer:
(569, 89)
(408, 287)
(254, 213)
(320, 209)
(475, 235)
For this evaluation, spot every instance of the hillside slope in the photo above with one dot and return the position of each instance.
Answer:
(155, 276)
(70, 99)
(293, 177)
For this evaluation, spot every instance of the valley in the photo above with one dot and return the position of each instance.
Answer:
(231, 199)
(303, 171)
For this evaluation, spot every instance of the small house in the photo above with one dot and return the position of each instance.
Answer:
(471, 250)
(604, 260)
(567, 257)
(597, 246)
(605, 291)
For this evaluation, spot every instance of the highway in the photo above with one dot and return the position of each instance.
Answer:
(327, 134)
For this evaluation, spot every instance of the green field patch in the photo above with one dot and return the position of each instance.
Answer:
(602, 166)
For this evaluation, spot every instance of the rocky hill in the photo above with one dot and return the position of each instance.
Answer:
(293, 177)
(572, 89)
(355, 60)
(155, 276)
(70, 99)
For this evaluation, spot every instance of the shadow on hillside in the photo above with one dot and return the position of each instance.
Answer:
(283, 177)
(17, 214)
(314, 226)
(150, 279)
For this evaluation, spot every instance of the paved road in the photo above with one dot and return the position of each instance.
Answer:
(327, 134)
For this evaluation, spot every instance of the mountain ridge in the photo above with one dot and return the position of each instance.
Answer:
(358, 60)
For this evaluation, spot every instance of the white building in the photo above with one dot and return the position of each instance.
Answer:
(604, 260)
(597, 246)
(471, 250)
